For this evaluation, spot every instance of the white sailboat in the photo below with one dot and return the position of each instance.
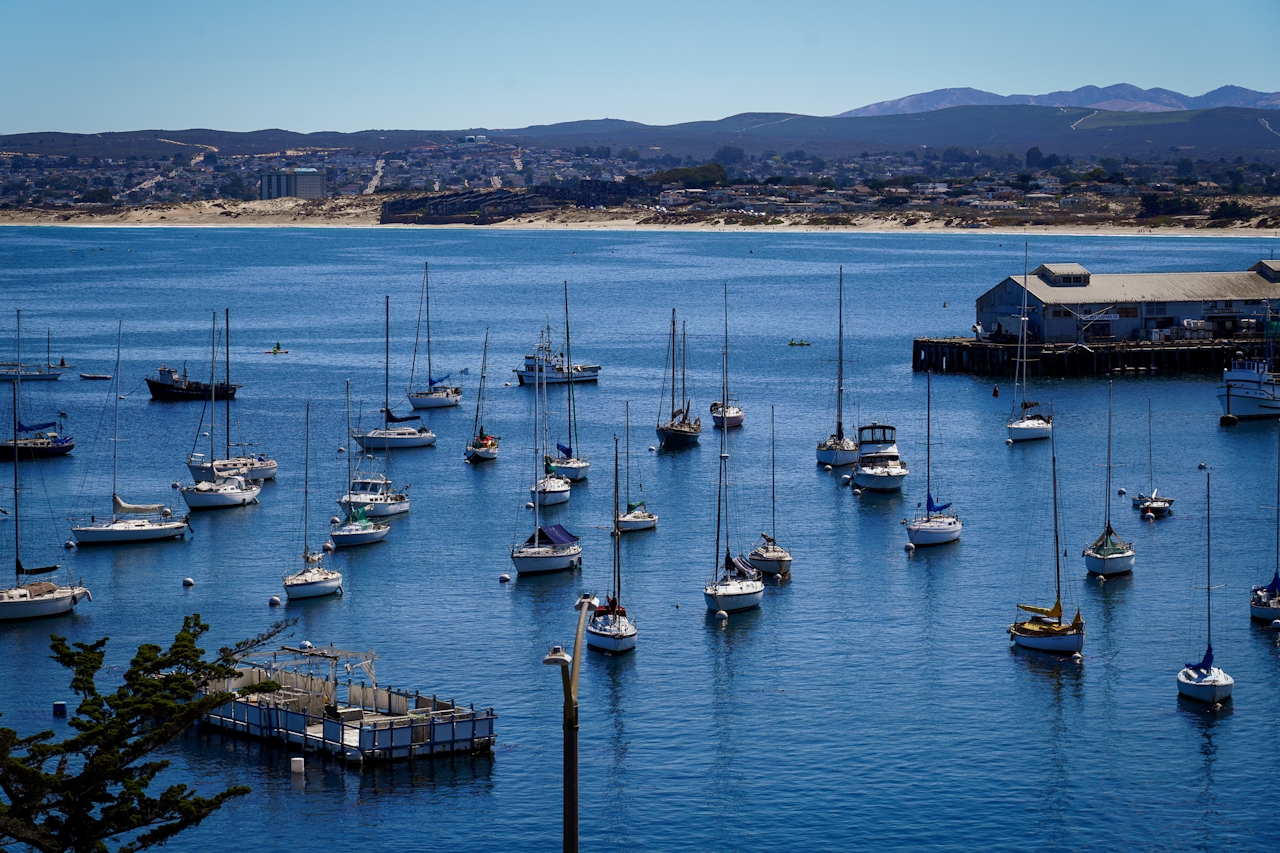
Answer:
(549, 486)
(438, 394)
(838, 450)
(1109, 555)
(128, 522)
(935, 526)
(255, 466)
(637, 516)
(734, 584)
(678, 431)
(572, 467)
(1264, 599)
(879, 467)
(314, 580)
(1157, 506)
(550, 548)
(223, 491)
(770, 557)
(33, 598)
(610, 628)
(483, 447)
(726, 413)
(356, 528)
(388, 436)
(1045, 631)
(1203, 681)
(1025, 423)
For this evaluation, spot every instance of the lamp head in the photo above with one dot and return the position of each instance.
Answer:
(557, 657)
(588, 601)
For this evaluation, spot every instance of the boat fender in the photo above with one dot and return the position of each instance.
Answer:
(328, 546)
(342, 450)
(88, 595)
(528, 505)
(166, 513)
(844, 481)
(653, 449)
(1201, 466)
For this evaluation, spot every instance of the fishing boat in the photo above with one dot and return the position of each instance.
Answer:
(549, 486)
(314, 580)
(128, 522)
(678, 431)
(935, 526)
(734, 584)
(1026, 422)
(252, 467)
(1044, 630)
(33, 598)
(355, 528)
(482, 447)
(374, 494)
(726, 413)
(33, 441)
(1249, 390)
(610, 629)
(438, 394)
(388, 436)
(545, 365)
(168, 386)
(879, 467)
(1203, 681)
(837, 450)
(637, 516)
(770, 557)
(223, 491)
(1157, 506)
(1109, 555)
(1264, 599)
(570, 465)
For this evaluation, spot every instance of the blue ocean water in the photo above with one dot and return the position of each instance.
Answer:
(871, 702)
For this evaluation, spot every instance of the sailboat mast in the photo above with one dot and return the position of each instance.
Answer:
(213, 393)
(1020, 368)
(1278, 503)
(684, 362)
(227, 336)
(306, 482)
(724, 444)
(539, 379)
(1151, 465)
(17, 382)
(928, 439)
(347, 442)
(48, 349)
(1208, 559)
(115, 442)
(617, 534)
(773, 476)
(840, 365)
(1057, 545)
(628, 404)
(572, 412)
(484, 363)
(724, 404)
(1107, 495)
(426, 296)
(673, 364)
(386, 367)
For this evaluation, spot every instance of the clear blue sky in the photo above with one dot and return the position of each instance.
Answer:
(233, 65)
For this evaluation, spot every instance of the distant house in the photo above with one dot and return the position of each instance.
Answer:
(295, 183)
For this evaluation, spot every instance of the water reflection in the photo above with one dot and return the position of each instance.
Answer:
(617, 672)
(1064, 680)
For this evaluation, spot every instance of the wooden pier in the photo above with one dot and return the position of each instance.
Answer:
(985, 358)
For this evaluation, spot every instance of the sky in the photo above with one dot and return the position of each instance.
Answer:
(76, 66)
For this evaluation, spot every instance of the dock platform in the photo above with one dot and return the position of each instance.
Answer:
(1099, 358)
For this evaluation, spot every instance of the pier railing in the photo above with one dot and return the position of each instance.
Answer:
(1098, 358)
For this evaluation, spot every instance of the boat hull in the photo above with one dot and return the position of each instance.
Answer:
(377, 440)
(873, 481)
(1058, 644)
(1212, 687)
(1031, 429)
(375, 509)
(770, 563)
(344, 538)
(313, 589)
(215, 499)
(637, 520)
(436, 399)
(129, 530)
(167, 393)
(550, 497)
(557, 376)
(1109, 566)
(542, 560)
(40, 450)
(937, 530)
(612, 641)
(574, 470)
(1266, 612)
(733, 596)
(673, 439)
(730, 418)
(481, 454)
(1250, 403)
(203, 472)
(55, 603)
(837, 457)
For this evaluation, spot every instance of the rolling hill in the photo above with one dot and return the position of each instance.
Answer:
(1121, 97)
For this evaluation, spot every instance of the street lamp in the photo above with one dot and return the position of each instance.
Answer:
(569, 675)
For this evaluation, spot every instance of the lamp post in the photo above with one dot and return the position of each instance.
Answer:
(569, 676)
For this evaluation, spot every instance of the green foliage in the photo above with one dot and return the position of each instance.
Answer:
(729, 155)
(693, 177)
(102, 195)
(91, 789)
(1233, 210)
(267, 686)
(1154, 205)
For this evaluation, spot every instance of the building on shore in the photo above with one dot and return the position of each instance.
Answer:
(296, 183)
(1066, 303)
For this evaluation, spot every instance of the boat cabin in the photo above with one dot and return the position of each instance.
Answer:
(877, 434)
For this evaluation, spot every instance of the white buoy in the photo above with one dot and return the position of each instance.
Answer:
(1122, 493)
(857, 492)
(69, 544)
(188, 582)
(274, 601)
(720, 614)
(1149, 517)
(909, 547)
(328, 546)
(844, 481)
(826, 468)
(342, 450)
(297, 764)
(504, 578)
(1009, 441)
(653, 449)
(205, 434)
(1276, 624)
(1077, 657)
(528, 505)
(1201, 466)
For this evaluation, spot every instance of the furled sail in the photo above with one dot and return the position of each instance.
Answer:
(567, 451)
(434, 382)
(33, 427)
(396, 419)
(933, 507)
(121, 508)
(1055, 611)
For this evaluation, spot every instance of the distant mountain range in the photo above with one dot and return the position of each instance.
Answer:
(1118, 98)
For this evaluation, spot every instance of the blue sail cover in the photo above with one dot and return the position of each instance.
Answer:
(933, 507)
(553, 533)
(1207, 663)
(567, 451)
(434, 382)
(396, 420)
(1274, 586)
(33, 427)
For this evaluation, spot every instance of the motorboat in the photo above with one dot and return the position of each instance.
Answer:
(550, 548)
(637, 516)
(1109, 555)
(1203, 681)
(438, 394)
(879, 467)
(770, 557)
(678, 431)
(374, 494)
(938, 524)
(170, 386)
(838, 450)
(1249, 390)
(483, 446)
(314, 580)
(610, 629)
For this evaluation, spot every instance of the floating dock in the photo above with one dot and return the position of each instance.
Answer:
(357, 722)
(1098, 358)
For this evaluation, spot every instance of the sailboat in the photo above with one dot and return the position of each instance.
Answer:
(34, 598)
(572, 468)
(637, 516)
(678, 431)
(1045, 631)
(734, 583)
(1159, 507)
(254, 467)
(356, 528)
(610, 629)
(1203, 681)
(1109, 554)
(45, 372)
(438, 395)
(387, 436)
(550, 548)
(482, 447)
(837, 450)
(314, 580)
(549, 486)
(936, 526)
(41, 444)
(1264, 600)
(225, 490)
(726, 413)
(770, 557)
(1025, 424)
(128, 522)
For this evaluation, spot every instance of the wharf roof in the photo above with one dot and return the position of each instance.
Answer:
(1154, 287)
